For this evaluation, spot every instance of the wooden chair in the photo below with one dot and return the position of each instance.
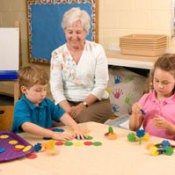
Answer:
(6, 117)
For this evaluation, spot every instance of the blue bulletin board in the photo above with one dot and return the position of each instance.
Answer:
(44, 25)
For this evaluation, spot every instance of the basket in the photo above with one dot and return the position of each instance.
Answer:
(143, 44)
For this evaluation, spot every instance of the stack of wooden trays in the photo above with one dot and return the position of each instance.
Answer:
(143, 44)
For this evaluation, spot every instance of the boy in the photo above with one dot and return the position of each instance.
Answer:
(34, 112)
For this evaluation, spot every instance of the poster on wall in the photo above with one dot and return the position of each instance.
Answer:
(44, 25)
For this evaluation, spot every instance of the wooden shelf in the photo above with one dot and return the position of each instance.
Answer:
(115, 58)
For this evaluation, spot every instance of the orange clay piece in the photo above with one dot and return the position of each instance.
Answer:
(112, 136)
(149, 146)
(51, 151)
(86, 131)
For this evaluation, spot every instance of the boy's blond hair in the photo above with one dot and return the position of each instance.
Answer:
(31, 75)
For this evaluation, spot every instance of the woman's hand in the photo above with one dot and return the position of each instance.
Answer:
(75, 110)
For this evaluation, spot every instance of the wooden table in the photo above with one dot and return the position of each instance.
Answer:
(114, 157)
(115, 58)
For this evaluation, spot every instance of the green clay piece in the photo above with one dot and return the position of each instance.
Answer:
(110, 130)
(168, 150)
(131, 137)
(97, 143)
(88, 138)
(68, 143)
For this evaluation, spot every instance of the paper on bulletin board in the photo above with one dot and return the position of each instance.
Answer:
(9, 49)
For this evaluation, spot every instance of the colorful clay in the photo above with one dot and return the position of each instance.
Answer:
(161, 148)
(131, 137)
(140, 136)
(110, 134)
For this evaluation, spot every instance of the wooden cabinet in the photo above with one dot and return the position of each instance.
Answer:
(10, 88)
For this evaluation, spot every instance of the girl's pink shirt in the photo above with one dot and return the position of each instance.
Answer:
(164, 108)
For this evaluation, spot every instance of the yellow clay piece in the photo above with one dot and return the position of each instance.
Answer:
(27, 148)
(146, 137)
(19, 146)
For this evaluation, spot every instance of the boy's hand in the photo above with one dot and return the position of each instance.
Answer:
(78, 133)
(62, 136)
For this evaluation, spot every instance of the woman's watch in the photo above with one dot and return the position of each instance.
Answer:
(85, 104)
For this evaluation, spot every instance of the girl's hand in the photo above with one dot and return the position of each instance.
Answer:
(136, 109)
(161, 122)
(136, 118)
(62, 136)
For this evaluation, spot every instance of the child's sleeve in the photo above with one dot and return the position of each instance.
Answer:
(57, 113)
(143, 99)
(21, 115)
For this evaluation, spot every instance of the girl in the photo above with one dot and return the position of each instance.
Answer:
(156, 110)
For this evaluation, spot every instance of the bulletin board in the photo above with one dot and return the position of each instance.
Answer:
(44, 25)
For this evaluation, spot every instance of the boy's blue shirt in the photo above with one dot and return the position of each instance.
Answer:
(41, 115)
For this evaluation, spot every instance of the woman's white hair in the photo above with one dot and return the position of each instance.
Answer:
(75, 14)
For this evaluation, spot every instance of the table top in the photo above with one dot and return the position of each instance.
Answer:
(134, 61)
(113, 157)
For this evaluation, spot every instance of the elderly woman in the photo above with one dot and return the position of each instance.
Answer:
(79, 72)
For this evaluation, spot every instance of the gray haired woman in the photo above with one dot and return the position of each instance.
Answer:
(79, 72)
